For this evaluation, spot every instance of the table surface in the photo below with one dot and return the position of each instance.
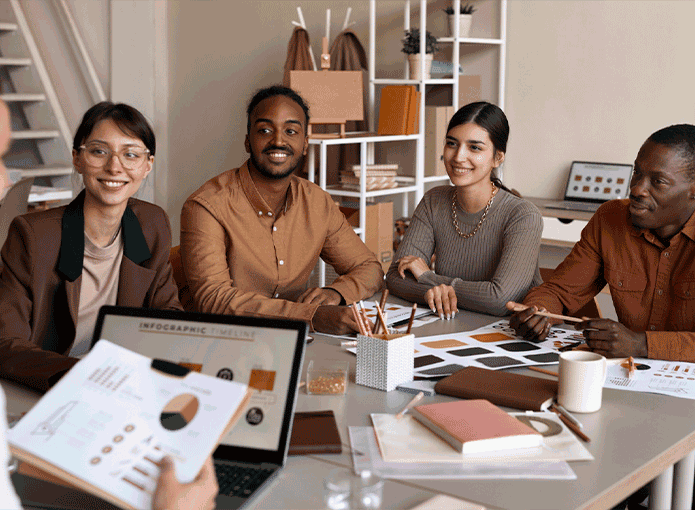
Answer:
(635, 436)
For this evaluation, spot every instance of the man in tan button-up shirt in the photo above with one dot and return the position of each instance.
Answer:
(251, 236)
(644, 249)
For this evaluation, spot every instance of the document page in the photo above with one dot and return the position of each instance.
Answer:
(112, 417)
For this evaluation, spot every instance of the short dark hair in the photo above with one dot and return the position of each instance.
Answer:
(492, 119)
(128, 119)
(272, 91)
(680, 137)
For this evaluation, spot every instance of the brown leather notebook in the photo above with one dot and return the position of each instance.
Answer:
(501, 388)
(315, 432)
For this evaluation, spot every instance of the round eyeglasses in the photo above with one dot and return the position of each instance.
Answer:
(130, 157)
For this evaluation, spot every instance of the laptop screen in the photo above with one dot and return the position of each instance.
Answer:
(598, 182)
(265, 354)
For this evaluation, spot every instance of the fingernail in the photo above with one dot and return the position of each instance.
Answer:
(441, 316)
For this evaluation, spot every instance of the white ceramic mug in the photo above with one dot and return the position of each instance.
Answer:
(581, 378)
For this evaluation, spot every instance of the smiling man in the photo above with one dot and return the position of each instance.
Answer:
(644, 249)
(251, 236)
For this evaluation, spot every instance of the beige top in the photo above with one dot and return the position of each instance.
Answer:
(240, 259)
(101, 269)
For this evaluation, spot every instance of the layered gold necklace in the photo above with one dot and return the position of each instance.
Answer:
(482, 218)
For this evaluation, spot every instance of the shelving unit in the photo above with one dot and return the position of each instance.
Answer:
(368, 140)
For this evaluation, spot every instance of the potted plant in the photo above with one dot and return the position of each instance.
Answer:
(465, 20)
(411, 47)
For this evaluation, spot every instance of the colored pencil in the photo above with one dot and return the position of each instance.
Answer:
(518, 307)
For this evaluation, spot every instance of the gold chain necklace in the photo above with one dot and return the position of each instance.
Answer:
(482, 218)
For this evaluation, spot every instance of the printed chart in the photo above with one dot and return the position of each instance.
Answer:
(673, 378)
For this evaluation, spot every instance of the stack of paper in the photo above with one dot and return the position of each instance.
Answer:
(377, 177)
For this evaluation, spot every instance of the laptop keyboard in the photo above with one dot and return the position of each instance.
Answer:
(240, 480)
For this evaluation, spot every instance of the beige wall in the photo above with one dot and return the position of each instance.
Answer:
(586, 79)
(592, 80)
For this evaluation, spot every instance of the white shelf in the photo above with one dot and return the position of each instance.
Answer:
(7, 27)
(16, 62)
(403, 81)
(340, 191)
(35, 134)
(17, 97)
(39, 194)
(361, 137)
(472, 40)
(44, 171)
(435, 178)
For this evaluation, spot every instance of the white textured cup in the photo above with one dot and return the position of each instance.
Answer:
(581, 378)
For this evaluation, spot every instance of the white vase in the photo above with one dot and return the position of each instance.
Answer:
(414, 61)
(465, 21)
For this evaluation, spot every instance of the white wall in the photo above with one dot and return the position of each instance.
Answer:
(591, 80)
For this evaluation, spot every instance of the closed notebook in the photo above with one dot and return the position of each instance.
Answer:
(523, 392)
(476, 426)
(395, 117)
(314, 432)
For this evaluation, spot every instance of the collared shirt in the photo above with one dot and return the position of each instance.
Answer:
(239, 258)
(652, 285)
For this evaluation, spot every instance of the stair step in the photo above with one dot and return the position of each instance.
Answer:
(15, 61)
(43, 171)
(18, 97)
(35, 134)
(7, 27)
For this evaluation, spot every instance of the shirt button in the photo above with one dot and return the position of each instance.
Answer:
(269, 213)
(652, 327)
(277, 295)
(260, 213)
(666, 254)
(274, 228)
(281, 262)
(620, 284)
(659, 292)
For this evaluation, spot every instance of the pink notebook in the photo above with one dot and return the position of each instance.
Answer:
(475, 426)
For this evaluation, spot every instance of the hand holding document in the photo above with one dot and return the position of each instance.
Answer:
(108, 422)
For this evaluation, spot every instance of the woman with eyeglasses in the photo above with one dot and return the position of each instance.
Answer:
(104, 248)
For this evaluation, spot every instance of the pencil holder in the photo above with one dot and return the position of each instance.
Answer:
(384, 361)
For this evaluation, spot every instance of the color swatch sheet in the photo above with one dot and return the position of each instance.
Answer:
(673, 378)
(111, 418)
(492, 347)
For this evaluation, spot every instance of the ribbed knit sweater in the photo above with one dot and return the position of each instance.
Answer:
(498, 264)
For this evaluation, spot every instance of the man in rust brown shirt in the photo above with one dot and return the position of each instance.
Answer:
(644, 249)
(251, 236)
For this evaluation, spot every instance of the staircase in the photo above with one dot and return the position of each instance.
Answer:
(41, 139)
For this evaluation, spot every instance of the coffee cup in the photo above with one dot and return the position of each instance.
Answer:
(581, 378)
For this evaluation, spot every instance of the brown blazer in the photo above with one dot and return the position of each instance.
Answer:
(41, 279)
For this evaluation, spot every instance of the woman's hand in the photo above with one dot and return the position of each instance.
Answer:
(414, 264)
(197, 495)
(442, 301)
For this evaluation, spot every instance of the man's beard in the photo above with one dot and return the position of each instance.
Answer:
(265, 172)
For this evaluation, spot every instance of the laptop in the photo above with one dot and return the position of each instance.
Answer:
(591, 184)
(263, 353)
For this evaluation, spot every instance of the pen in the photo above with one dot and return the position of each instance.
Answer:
(415, 400)
(564, 412)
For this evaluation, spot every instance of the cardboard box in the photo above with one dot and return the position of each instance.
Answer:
(379, 229)
(441, 95)
(436, 121)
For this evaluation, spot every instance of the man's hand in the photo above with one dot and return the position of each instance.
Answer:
(442, 301)
(414, 264)
(336, 320)
(172, 495)
(320, 296)
(613, 340)
(528, 325)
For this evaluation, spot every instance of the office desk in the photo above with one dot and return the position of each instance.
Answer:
(635, 437)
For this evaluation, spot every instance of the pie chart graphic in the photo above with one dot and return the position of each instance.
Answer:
(179, 411)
